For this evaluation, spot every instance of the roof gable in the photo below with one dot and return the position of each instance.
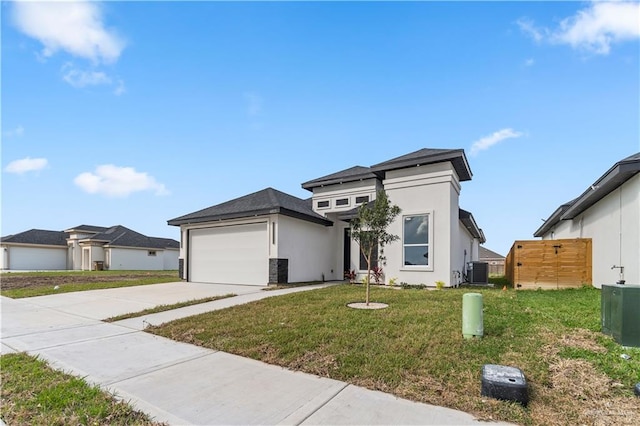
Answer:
(266, 201)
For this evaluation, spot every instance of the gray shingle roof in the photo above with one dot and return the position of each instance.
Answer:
(38, 236)
(116, 235)
(124, 237)
(420, 157)
(266, 201)
(352, 174)
(165, 242)
(612, 179)
(485, 253)
(428, 156)
(87, 228)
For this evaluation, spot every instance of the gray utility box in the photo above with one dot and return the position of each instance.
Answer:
(505, 383)
(620, 305)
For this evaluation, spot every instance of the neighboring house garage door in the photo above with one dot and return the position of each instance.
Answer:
(237, 254)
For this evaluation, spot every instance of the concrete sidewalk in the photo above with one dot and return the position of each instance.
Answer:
(185, 384)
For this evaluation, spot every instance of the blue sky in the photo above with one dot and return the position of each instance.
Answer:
(134, 113)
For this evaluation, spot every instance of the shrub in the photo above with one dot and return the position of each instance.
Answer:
(377, 274)
(499, 280)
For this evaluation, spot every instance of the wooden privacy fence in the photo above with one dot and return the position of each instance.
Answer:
(549, 264)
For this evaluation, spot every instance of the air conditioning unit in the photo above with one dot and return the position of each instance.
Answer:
(478, 272)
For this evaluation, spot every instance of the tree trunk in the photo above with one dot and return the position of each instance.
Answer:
(368, 276)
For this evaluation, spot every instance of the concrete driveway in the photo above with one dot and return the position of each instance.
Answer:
(185, 384)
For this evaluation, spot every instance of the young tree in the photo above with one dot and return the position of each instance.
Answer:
(369, 229)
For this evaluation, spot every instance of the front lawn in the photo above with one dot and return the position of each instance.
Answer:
(35, 394)
(414, 349)
(28, 284)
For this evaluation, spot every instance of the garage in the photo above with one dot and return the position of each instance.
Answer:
(34, 258)
(237, 254)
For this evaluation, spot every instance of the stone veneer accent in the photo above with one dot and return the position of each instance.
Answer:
(278, 271)
(181, 269)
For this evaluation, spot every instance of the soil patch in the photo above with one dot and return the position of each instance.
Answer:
(10, 281)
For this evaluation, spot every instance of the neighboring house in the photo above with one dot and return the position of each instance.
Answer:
(495, 260)
(608, 212)
(86, 247)
(272, 237)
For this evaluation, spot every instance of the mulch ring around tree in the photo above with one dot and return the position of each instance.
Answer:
(371, 305)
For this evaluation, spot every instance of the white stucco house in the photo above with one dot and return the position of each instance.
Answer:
(273, 237)
(608, 212)
(86, 247)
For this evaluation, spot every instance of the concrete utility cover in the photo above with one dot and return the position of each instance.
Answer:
(371, 305)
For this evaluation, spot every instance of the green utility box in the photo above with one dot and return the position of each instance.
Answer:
(620, 305)
(472, 320)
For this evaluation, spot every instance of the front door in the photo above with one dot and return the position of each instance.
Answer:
(347, 250)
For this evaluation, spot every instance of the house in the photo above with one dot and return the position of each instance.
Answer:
(273, 237)
(493, 259)
(87, 247)
(608, 212)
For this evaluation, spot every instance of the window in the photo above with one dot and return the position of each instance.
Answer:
(416, 240)
(273, 232)
(342, 202)
(323, 204)
(151, 252)
(363, 199)
(374, 259)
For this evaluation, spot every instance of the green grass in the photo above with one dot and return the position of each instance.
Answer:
(30, 284)
(35, 394)
(163, 308)
(414, 349)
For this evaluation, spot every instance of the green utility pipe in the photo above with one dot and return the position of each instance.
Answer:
(472, 321)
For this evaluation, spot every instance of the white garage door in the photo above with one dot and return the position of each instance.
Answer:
(237, 254)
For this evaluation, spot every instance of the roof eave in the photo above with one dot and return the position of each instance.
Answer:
(309, 186)
(463, 170)
(610, 181)
(221, 217)
(252, 213)
(308, 218)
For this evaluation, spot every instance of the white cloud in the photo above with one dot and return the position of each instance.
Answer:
(529, 62)
(594, 28)
(80, 78)
(17, 132)
(254, 103)
(26, 165)
(601, 25)
(120, 89)
(528, 27)
(487, 142)
(75, 27)
(117, 181)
